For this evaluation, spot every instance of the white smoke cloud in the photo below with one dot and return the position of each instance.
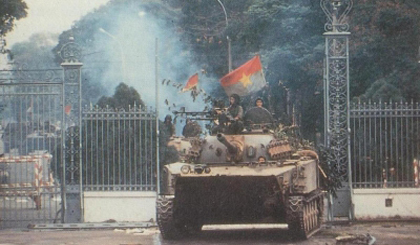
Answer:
(129, 45)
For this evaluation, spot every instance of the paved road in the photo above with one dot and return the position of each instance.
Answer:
(385, 233)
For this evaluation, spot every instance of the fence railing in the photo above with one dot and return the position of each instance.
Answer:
(385, 144)
(119, 149)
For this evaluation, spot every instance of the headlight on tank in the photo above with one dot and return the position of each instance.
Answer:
(185, 169)
(198, 169)
(207, 170)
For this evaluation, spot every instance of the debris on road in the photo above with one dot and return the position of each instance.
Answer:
(355, 239)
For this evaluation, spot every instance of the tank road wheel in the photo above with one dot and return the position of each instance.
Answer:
(304, 215)
(167, 225)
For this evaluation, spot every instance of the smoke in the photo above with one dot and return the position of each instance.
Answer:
(129, 45)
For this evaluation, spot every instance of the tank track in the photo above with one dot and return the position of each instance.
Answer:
(165, 220)
(304, 214)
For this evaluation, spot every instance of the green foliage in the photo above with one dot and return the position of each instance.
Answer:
(10, 11)
(36, 53)
(381, 90)
(123, 97)
(333, 180)
(293, 135)
(384, 49)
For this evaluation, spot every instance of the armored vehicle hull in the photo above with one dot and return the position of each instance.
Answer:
(219, 180)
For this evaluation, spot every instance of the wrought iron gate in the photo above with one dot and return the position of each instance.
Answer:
(31, 121)
(119, 149)
(385, 144)
(40, 161)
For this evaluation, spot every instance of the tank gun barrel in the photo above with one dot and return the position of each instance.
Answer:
(231, 148)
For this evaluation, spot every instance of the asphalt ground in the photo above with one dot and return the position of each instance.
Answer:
(392, 233)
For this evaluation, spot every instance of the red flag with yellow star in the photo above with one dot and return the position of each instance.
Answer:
(246, 79)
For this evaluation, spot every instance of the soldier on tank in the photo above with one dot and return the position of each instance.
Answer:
(235, 115)
(229, 120)
(258, 115)
(221, 119)
(191, 129)
(261, 159)
(259, 103)
(168, 126)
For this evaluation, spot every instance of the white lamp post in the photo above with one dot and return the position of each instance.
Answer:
(227, 37)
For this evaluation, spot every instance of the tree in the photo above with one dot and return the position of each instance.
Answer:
(10, 11)
(123, 97)
(384, 49)
(35, 53)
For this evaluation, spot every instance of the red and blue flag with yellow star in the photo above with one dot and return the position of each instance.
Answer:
(246, 79)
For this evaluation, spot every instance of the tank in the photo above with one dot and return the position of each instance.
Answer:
(248, 178)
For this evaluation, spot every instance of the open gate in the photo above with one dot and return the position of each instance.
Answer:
(40, 156)
(31, 124)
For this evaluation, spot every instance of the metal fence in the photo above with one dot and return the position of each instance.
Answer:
(385, 144)
(119, 149)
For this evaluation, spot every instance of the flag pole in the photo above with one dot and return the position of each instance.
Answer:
(157, 118)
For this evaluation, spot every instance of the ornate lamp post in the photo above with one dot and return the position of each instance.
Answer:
(337, 101)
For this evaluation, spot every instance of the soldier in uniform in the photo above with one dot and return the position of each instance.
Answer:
(191, 129)
(235, 114)
(258, 114)
(261, 159)
(168, 126)
(259, 103)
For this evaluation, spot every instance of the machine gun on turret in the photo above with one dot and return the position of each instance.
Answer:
(207, 115)
(217, 116)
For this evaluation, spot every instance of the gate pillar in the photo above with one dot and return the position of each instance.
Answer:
(71, 130)
(337, 102)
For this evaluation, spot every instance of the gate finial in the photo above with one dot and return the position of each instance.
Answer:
(70, 52)
(337, 12)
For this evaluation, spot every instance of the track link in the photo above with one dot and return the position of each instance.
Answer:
(168, 227)
(304, 214)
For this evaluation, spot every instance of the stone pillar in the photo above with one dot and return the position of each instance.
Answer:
(71, 134)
